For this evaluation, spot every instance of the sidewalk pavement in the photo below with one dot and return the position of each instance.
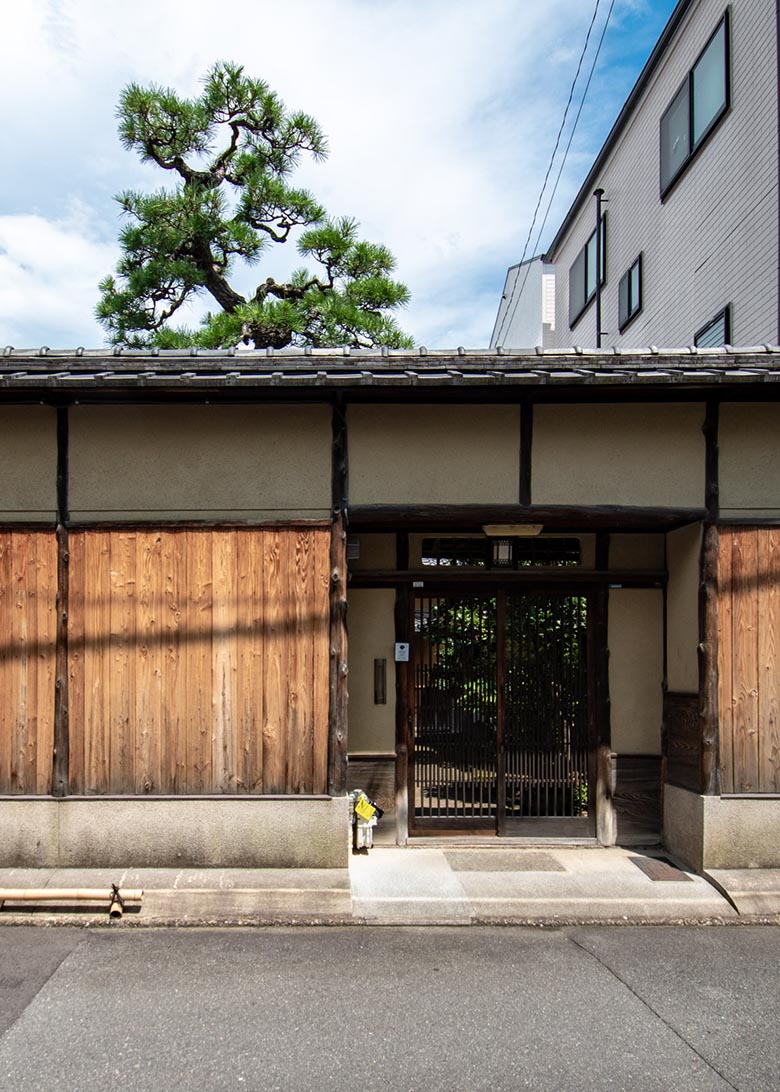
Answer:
(454, 884)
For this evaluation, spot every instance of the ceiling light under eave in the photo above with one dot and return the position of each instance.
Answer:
(512, 530)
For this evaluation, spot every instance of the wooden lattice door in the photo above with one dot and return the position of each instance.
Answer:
(500, 719)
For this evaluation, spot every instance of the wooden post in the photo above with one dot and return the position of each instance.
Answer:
(708, 611)
(605, 812)
(526, 451)
(338, 697)
(402, 711)
(711, 475)
(605, 778)
(61, 751)
(501, 709)
(708, 662)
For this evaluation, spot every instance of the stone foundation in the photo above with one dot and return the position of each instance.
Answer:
(174, 832)
(721, 831)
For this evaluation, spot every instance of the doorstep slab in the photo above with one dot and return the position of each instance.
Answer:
(392, 886)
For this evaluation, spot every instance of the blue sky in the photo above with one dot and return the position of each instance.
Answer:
(441, 116)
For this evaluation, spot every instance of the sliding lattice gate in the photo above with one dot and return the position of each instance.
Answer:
(501, 714)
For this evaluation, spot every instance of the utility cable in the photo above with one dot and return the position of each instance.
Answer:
(557, 142)
(563, 163)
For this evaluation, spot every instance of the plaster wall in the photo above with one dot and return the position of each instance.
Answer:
(682, 609)
(28, 463)
(635, 636)
(79, 832)
(200, 462)
(749, 459)
(371, 636)
(618, 454)
(443, 454)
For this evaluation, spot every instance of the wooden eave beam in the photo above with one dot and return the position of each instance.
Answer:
(466, 517)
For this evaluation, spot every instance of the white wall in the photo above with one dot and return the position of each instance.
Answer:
(523, 319)
(635, 639)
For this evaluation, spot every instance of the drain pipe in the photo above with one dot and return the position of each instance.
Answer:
(117, 900)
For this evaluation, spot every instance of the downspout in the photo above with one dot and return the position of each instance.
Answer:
(599, 195)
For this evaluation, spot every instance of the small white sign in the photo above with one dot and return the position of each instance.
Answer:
(401, 652)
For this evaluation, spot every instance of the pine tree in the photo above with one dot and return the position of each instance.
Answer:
(231, 152)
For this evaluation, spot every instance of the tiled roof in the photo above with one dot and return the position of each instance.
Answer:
(210, 369)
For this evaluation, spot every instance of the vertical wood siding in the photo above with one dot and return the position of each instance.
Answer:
(198, 661)
(28, 588)
(749, 659)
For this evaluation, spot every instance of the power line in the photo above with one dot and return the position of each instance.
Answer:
(563, 164)
(557, 142)
(552, 159)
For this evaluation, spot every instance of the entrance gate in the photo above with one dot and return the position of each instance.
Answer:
(500, 732)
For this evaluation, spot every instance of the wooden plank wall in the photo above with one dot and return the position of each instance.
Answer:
(198, 661)
(28, 589)
(749, 659)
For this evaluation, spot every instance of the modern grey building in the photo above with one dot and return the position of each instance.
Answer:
(689, 174)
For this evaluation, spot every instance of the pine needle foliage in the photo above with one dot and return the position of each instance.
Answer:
(230, 154)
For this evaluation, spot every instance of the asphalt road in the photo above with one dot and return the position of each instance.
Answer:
(379, 1010)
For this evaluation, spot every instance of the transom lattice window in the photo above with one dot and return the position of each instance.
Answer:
(499, 553)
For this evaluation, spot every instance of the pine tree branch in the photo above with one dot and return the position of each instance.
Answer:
(288, 291)
(213, 281)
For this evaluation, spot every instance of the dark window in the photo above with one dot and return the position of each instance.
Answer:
(697, 107)
(675, 136)
(630, 294)
(456, 552)
(500, 553)
(582, 275)
(717, 332)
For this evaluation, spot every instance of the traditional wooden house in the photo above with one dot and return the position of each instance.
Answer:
(561, 572)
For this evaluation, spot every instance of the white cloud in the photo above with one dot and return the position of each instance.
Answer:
(440, 116)
(49, 270)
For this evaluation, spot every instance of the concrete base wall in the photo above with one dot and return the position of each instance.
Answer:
(235, 832)
(721, 832)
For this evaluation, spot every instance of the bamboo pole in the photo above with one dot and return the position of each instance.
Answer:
(114, 897)
(66, 894)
